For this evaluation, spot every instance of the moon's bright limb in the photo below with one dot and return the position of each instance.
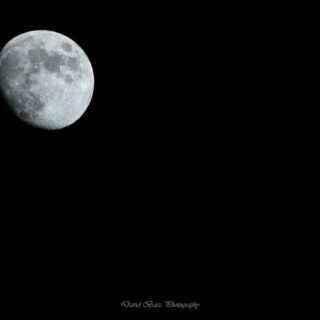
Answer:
(46, 79)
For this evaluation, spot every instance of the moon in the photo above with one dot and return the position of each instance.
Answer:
(46, 79)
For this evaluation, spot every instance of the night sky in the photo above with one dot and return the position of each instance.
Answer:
(109, 208)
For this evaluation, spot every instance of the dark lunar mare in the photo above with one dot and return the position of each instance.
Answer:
(37, 55)
(54, 62)
(73, 64)
(66, 47)
(9, 68)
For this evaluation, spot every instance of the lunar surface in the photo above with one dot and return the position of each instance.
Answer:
(46, 79)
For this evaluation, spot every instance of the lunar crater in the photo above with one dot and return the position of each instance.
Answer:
(28, 82)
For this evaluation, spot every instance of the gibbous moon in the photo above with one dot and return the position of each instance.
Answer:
(46, 79)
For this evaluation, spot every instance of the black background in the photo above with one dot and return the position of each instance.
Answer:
(111, 208)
